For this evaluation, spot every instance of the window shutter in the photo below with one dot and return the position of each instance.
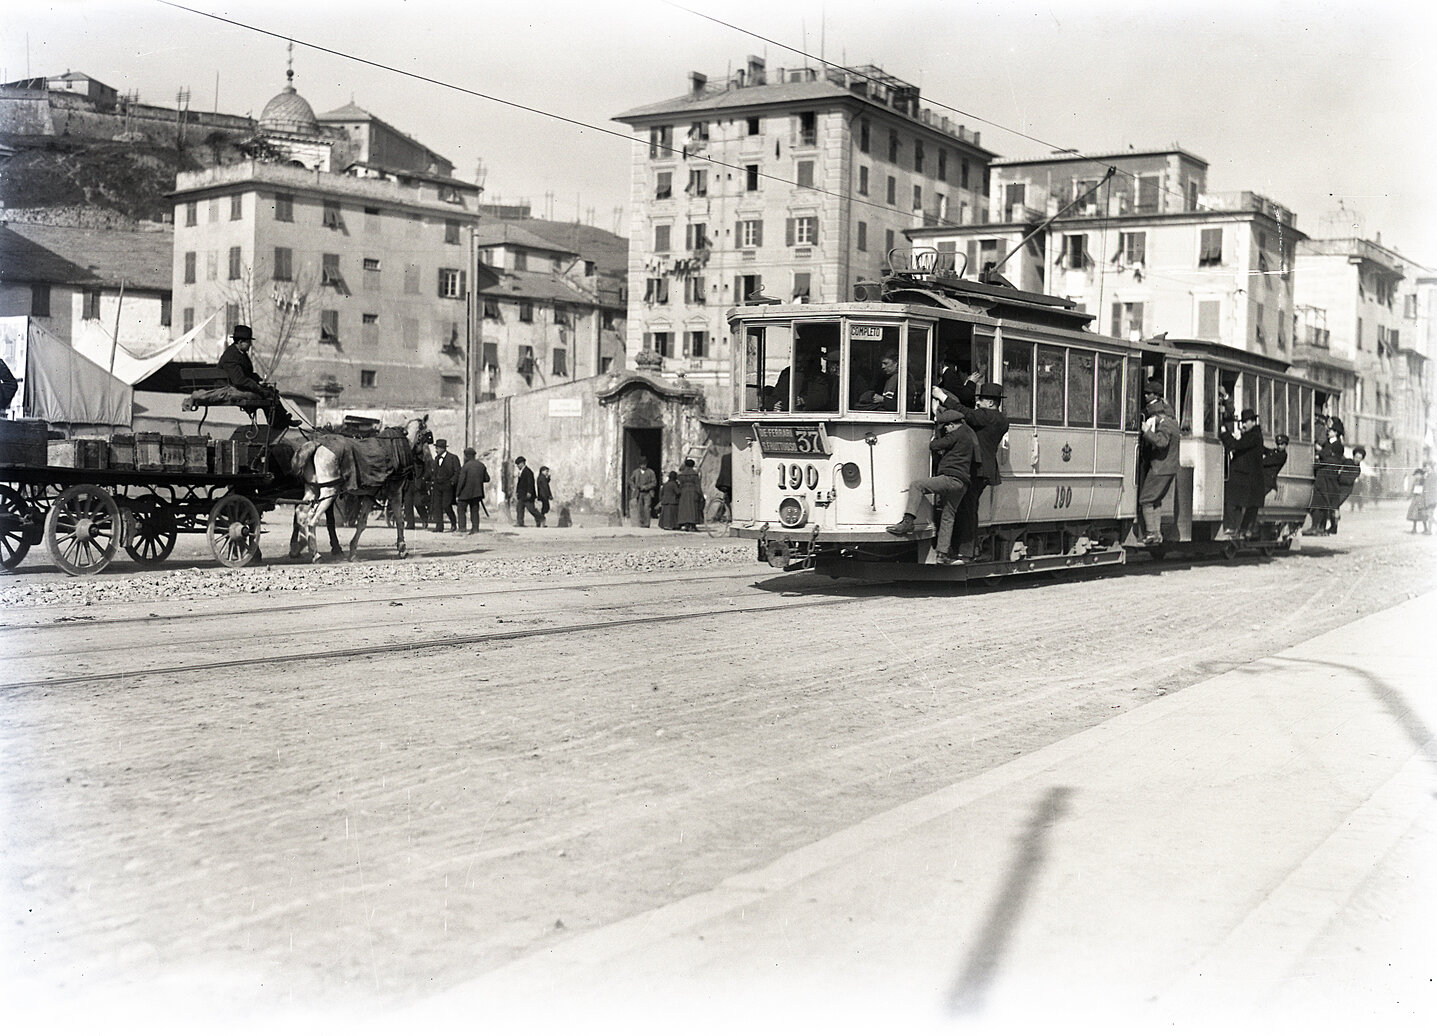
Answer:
(441, 283)
(758, 233)
(1138, 316)
(648, 341)
(788, 231)
(1117, 331)
(973, 268)
(738, 234)
(813, 232)
(463, 282)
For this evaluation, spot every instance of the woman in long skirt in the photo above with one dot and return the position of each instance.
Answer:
(691, 498)
(669, 502)
(1424, 496)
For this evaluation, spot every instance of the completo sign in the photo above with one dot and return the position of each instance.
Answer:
(865, 332)
(566, 407)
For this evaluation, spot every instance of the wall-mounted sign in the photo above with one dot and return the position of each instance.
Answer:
(566, 408)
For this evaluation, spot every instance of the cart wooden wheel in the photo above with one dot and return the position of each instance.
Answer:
(83, 530)
(152, 531)
(15, 516)
(233, 531)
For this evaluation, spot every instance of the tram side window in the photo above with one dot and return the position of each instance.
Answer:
(815, 351)
(1110, 391)
(1018, 380)
(916, 390)
(1264, 405)
(1279, 409)
(1224, 397)
(1304, 414)
(953, 359)
(1048, 384)
(1185, 398)
(1136, 379)
(1080, 388)
(768, 352)
(873, 373)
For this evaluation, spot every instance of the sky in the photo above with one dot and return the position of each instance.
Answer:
(1325, 106)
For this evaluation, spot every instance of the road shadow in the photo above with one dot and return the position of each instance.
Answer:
(969, 991)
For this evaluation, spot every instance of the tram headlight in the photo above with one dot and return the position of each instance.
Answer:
(792, 512)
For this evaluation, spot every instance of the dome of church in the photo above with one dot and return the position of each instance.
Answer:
(288, 112)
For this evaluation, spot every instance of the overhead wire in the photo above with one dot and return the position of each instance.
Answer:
(627, 137)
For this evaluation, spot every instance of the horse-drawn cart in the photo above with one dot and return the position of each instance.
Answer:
(85, 516)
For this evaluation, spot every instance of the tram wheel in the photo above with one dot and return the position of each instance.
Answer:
(152, 530)
(1229, 550)
(14, 515)
(233, 531)
(83, 530)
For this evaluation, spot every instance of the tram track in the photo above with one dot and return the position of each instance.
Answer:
(85, 622)
(362, 651)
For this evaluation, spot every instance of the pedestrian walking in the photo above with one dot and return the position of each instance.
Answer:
(543, 494)
(642, 482)
(669, 502)
(441, 492)
(469, 491)
(691, 498)
(1423, 498)
(524, 494)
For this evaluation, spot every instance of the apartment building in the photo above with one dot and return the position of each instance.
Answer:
(545, 319)
(355, 284)
(788, 184)
(1148, 249)
(1360, 311)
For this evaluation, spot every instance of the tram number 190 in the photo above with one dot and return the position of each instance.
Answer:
(1063, 497)
(796, 476)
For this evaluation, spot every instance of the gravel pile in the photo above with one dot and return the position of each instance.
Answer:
(212, 581)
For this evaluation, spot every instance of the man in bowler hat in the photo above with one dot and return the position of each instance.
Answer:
(239, 371)
(441, 493)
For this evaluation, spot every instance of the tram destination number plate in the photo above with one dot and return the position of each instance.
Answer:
(792, 440)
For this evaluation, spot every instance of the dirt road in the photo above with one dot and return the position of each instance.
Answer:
(376, 825)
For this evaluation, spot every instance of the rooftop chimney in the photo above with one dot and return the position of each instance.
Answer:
(697, 82)
(755, 70)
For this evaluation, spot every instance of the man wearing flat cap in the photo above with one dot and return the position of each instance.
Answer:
(1246, 486)
(239, 371)
(1161, 442)
(956, 447)
(441, 491)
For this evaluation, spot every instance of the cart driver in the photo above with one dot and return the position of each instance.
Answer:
(239, 371)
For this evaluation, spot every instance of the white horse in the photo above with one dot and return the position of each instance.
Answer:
(320, 469)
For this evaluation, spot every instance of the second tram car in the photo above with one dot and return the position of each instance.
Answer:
(822, 455)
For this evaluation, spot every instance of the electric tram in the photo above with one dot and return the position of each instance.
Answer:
(833, 413)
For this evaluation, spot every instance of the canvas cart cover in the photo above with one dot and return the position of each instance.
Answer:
(60, 385)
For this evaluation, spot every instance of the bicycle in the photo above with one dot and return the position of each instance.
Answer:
(717, 517)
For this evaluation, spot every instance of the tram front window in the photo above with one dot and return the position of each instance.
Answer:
(816, 366)
(873, 366)
(768, 354)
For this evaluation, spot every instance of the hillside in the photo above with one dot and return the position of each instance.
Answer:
(129, 178)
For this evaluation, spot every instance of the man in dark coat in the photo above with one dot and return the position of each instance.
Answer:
(956, 447)
(239, 371)
(642, 483)
(1161, 445)
(544, 494)
(441, 492)
(990, 425)
(469, 490)
(1273, 461)
(525, 493)
(1246, 485)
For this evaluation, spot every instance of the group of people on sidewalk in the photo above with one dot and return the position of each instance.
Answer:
(450, 493)
(678, 503)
